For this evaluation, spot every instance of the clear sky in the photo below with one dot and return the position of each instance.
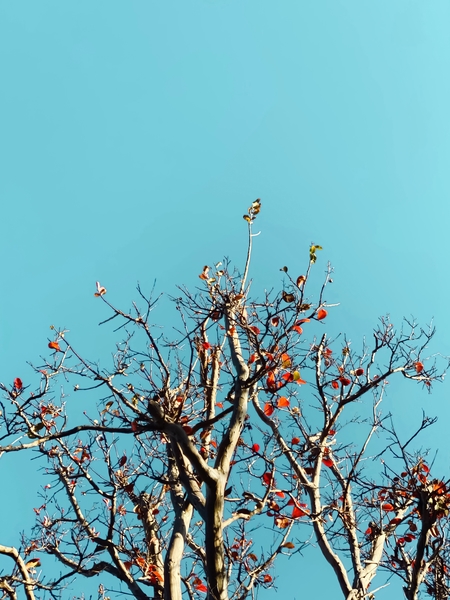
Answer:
(134, 135)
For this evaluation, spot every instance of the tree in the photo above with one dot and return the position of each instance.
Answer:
(239, 420)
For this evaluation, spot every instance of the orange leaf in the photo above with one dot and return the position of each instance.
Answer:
(204, 273)
(298, 329)
(270, 381)
(418, 366)
(283, 402)
(322, 313)
(289, 545)
(141, 562)
(101, 291)
(219, 404)
(267, 578)
(285, 361)
(54, 346)
(268, 409)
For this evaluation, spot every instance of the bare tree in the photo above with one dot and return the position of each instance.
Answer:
(238, 422)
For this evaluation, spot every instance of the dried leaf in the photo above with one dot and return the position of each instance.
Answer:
(287, 297)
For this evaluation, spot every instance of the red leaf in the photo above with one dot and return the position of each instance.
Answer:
(267, 478)
(206, 345)
(219, 404)
(255, 329)
(295, 440)
(359, 372)
(267, 578)
(18, 383)
(122, 461)
(387, 507)
(283, 402)
(54, 346)
(322, 313)
(269, 409)
(255, 447)
(345, 380)
(134, 426)
(279, 494)
(288, 377)
(418, 366)
(298, 512)
(275, 321)
(335, 385)
(188, 429)
(298, 329)
(201, 587)
(328, 462)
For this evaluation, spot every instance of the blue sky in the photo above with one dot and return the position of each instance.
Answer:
(133, 136)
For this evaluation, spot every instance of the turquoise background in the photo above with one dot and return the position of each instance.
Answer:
(134, 135)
